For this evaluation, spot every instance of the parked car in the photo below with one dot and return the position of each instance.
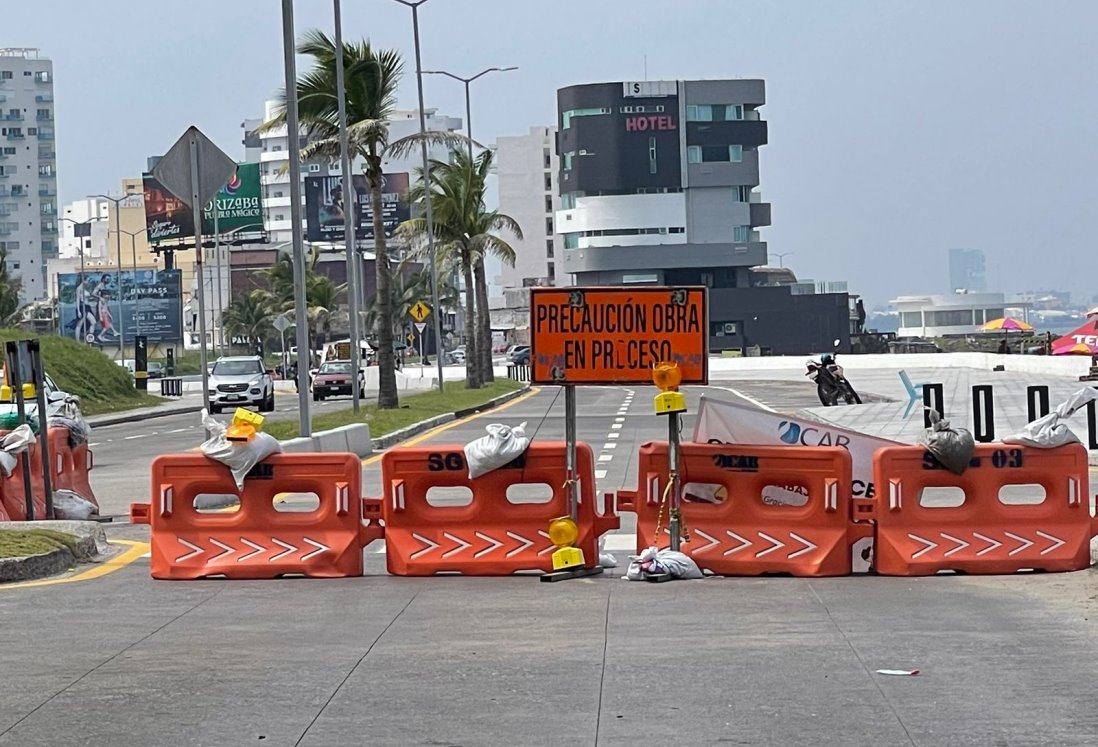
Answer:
(458, 354)
(155, 370)
(241, 381)
(520, 355)
(334, 378)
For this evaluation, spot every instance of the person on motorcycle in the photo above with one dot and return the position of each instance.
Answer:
(827, 359)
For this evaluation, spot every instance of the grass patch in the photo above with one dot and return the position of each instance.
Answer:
(413, 408)
(101, 384)
(18, 543)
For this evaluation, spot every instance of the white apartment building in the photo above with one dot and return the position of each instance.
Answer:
(28, 167)
(90, 218)
(528, 167)
(270, 149)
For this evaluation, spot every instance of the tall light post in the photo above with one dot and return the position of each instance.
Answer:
(781, 257)
(485, 355)
(293, 138)
(349, 199)
(468, 107)
(118, 224)
(81, 230)
(136, 295)
(414, 5)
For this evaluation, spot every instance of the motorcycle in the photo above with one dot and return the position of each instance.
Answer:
(831, 383)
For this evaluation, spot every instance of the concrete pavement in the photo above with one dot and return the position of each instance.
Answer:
(382, 660)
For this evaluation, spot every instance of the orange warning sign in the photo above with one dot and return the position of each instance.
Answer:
(617, 335)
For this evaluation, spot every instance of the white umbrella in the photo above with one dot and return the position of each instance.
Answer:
(1092, 312)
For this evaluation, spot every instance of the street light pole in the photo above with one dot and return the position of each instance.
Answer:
(414, 5)
(136, 294)
(349, 202)
(468, 107)
(293, 137)
(79, 236)
(781, 257)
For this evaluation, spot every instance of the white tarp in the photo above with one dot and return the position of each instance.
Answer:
(724, 422)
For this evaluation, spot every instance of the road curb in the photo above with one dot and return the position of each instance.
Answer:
(34, 567)
(392, 439)
(122, 417)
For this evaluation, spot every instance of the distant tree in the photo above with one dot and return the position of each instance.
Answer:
(250, 315)
(10, 288)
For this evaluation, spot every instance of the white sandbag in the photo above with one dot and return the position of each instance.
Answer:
(1050, 431)
(652, 562)
(71, 506)
(13, 444)
(952, 447)
(606, 560)
(502, 445)
(239, 456)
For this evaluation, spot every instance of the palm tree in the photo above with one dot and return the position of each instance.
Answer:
(371, 80)
(250, 315)
(406, 293)
(10, 288)
(323, 299)
(468, 233)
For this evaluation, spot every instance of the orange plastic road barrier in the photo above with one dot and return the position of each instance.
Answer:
(80, 468)
(751, 532)
(258, 540)
(61, 456)
(12, 492)
(983, 534)
(493, 534)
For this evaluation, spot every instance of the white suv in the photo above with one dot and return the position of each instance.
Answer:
(241, 381)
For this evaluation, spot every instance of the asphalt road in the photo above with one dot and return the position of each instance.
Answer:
(383, 660)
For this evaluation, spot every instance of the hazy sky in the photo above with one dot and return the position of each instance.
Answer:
(897, 129)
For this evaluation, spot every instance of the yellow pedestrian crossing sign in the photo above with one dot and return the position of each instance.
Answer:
(420, 311)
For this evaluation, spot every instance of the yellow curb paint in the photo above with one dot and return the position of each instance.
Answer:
(455, 423)
(137, 551)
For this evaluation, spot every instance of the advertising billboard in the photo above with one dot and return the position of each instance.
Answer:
(239, 204)
(324, 206)
(95, 305)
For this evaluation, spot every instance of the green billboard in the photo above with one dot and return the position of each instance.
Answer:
(239, 205)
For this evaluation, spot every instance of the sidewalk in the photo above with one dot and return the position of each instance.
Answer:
(187, 404)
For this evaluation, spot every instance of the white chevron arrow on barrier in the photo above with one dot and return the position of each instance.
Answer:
(228, 550)
(526, 544)
(1058, 542)
(961, 544)
(928, 545)
(320, 547)
(775, 544)
(428, 545)
(991, 544)
(713, 542)
(195, 550)
(496, 544)
(459, 544)
(290, 550)
(1026, 543)
(744, 542)
(259, 550)
(808, 546)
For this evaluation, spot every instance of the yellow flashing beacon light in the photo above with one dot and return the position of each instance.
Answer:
(667, 377)
(564, 533)
(244, 426)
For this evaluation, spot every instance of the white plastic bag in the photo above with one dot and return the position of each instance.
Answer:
(606, 560)
(1049, 432)
(69, 505)
(238, 456)
(502, 445)
(653, 561)
(13, 444)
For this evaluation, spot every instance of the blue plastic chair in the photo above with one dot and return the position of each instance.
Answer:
(914, 392)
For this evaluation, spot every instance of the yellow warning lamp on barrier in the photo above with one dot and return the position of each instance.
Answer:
(7, 394)
(667, 377)
(244, 426)
(564, 533)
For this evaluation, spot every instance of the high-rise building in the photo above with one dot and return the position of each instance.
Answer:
(28, 167)
(270, 149)
(528, 168)
(658, 185)
(966, 270)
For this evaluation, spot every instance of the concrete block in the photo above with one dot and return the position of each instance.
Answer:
(358, 438)
(332, 441)
(299, 446)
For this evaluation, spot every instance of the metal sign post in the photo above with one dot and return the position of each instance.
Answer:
(674, 501)
(570, 450)
(34, 352)
(420, 326)
(18, 364)
(194, 170)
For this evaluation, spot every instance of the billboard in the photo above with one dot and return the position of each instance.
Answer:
(616, 335)
(95, 304)
(239, 204)
(324, 206)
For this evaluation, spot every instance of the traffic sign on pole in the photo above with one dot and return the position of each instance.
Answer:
(420, 311)
(281, 324)
(174, 169)
(420, 326)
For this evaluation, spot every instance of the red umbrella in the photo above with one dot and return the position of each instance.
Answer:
(1083, 341)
